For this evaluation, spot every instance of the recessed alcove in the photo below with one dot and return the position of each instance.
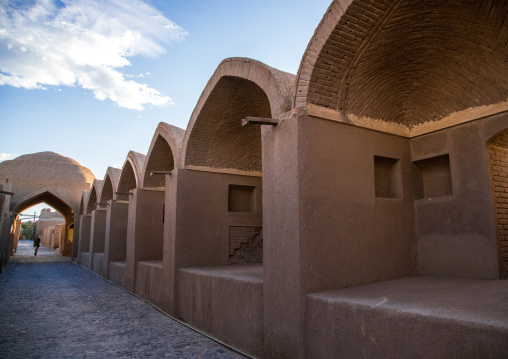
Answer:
(432, 177)
(241, 199)
(387, 177)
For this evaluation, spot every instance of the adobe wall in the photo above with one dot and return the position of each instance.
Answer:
(346, 220)
(116, 233)
(97, 240)
(97, 234)
(6, 221)
(205, 220)
(226, 302)
(454, 223)
(144, 231)
(282, 293)
(84, 240)
(43, 223)
(498, 165)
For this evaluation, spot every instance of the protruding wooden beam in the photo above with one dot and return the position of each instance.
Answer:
(160, 173)
(8, 193)
(259, 121)
(124, 193)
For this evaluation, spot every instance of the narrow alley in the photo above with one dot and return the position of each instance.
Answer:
(53, 308)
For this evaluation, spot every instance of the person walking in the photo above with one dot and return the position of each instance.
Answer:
(37, 243)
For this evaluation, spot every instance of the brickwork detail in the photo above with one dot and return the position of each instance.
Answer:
(161, 159)
(498, 165)
(407, 62)
(107, 190)
(218, 140)
(245, 245)
(127, 181)
(92, 200)
(238, 88)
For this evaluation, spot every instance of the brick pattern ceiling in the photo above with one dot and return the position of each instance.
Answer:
(411, 62)
(218, 140)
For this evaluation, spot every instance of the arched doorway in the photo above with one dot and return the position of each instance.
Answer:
(497, 148)
(62, 244)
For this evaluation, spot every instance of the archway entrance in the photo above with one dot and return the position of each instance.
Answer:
(497, 148)
(58, 237)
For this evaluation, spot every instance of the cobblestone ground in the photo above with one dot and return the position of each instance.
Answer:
(52, 308)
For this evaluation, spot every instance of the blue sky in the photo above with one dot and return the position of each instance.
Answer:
(92, 79)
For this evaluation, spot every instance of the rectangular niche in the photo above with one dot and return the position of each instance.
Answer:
(387, 177)
(432, 177)
(241, 199)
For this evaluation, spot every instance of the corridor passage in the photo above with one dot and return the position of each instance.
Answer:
(53, 308)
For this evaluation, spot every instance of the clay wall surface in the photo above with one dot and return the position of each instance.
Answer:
(5, 224)
(456, 235)
(353, 218)
(97, 233)
(145, 230)
(498, 166)
(150, 282)
(281, 250)
(226, 302)
(58, 238)
(205, 217)
(43, 223)
(97, 240)
(116, 233)
(84, 240)
(116, 273)
(47, 237)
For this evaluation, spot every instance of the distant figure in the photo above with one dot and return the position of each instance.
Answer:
(37, 243)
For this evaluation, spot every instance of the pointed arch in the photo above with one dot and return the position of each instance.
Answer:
(84, 201)
(239, 87)
(95, 193)
(406, 67)
(110, 184)
(164, 153)
(131, 174)
(44, 195)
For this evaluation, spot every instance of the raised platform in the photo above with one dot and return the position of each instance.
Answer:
(226, 302)
(117, 273)
(149, 281)
(413, 317)
(98, 264)
(85, 260)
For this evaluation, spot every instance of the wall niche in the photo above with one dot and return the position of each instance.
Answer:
(432, 177)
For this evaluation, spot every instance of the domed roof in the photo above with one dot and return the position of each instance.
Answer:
(46, 156)
(45, 167)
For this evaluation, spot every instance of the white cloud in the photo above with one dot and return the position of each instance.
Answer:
(7, 156)
(83, 43)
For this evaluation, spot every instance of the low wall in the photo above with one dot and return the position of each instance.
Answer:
(98, 264)
(149, 281)
(412, 317)
(116, 273)
(226, 302)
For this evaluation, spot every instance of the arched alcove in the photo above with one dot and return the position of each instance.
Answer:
(406, 66)
(497, 148)
(107, 190)
(218, 139)
(160, 158)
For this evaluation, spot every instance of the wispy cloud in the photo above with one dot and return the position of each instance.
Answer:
(83, 43)
(7, 156)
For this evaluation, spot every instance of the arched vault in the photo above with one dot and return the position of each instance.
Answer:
(164, 154)
(238, 88)
(131, 174)
(406, 67)
(110, 184)
(95, 193)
